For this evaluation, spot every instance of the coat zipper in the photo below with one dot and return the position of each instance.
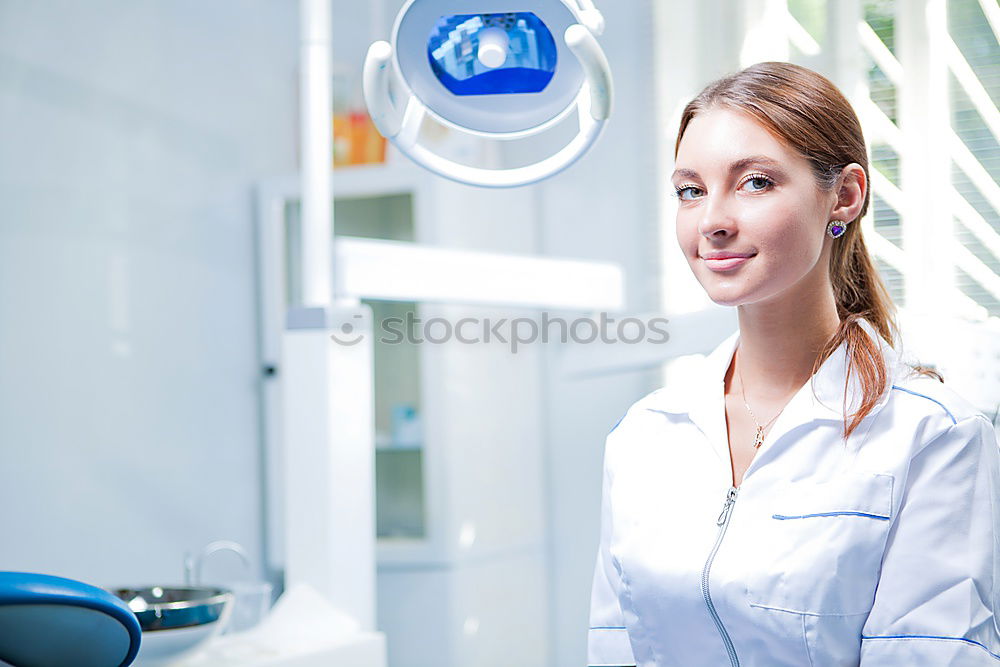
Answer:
(723, 521)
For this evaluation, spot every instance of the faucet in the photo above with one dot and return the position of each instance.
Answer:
(192, 566)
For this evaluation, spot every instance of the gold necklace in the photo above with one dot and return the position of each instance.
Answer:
(759, 438)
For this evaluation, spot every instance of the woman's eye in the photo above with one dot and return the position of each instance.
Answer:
(760, 183)
(679, 192)
(760, 179)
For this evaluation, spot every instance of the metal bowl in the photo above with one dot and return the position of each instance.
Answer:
(159, 608)
(176, 622)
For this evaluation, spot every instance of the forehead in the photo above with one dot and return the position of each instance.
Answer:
(718, 137)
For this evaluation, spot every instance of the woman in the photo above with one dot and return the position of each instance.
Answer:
(804, 497)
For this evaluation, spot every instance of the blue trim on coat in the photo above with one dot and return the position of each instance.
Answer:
(909, 391)
(617, 423)
(956, 639)
(803, 516)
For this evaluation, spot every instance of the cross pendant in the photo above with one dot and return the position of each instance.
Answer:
(759, 440)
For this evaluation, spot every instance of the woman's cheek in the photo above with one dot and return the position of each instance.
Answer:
(687, 239)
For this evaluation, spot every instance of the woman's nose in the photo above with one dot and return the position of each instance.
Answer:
(716, 218)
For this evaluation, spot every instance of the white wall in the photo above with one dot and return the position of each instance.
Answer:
(132, 133)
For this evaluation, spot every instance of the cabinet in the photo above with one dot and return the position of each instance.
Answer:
(363, 211)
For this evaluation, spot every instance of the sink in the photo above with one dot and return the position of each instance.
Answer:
(176, 621)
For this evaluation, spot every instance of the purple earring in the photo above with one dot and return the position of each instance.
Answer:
(836, 228)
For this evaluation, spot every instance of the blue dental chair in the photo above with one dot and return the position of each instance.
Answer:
(48, 621)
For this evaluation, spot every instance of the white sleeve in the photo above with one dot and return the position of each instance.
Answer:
(937, 597)
(607, 639)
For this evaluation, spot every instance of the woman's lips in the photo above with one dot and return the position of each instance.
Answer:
(726, 264)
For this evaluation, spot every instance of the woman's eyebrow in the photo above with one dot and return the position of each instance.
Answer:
(737, 165)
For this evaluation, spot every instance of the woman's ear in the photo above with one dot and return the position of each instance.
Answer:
(852, 186)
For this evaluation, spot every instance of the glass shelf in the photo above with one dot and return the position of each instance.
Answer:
(399, 468)
(399, 506)
(399, 487)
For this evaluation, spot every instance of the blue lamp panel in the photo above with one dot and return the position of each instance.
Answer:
(455, 58)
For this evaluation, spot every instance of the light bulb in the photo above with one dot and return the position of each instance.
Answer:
(493, 45)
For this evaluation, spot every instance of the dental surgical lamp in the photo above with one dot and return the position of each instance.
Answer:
(483, 70)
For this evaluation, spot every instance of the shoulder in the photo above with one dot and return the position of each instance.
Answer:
(638, 424)
(686, 377)
(637, 407)
(929, 408)
(686, 382)
(925, 396)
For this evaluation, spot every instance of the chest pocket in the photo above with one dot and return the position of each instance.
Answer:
(820, 545)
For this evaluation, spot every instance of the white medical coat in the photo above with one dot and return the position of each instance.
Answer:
(883, 552)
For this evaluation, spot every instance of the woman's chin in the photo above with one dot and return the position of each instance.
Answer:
(732, 302)
(725, 289)
(727, 295)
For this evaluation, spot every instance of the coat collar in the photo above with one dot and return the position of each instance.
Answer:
(702, 398)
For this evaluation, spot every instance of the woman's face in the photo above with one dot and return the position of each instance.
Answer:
(745, 193)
